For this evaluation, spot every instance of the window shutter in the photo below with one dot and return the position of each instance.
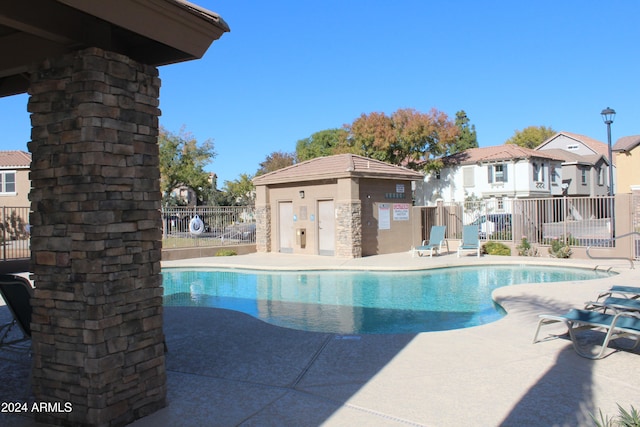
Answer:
(504, 172)
(490, 173)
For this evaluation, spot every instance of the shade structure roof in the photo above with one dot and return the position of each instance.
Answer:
(154, 32)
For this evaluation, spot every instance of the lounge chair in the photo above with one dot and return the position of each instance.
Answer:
(470, 240)
(436, 241)
(632, 292)
(619, 325)
(615, 304)
(16, 291)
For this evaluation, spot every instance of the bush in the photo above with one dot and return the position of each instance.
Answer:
(226, 252)
(525, 248)
(496, 248)
(559, 249)
(623, 419)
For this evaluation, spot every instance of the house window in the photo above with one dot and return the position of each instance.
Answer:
(584, 176)
(500, 203)
(552, 173)
(538, 172)
(497, 173)
(600, 176)
(467, 177)
(8, 182)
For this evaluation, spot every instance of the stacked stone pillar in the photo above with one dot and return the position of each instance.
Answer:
(349, 229)
(263, 228)
(96, 239)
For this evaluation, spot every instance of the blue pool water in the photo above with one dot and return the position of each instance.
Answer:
(350, 302)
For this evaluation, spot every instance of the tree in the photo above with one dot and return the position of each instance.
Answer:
(467, 137)
(407, 137)
(276, 160)
(531, 136)
(323, 143)
(182, 162)
(240, 192)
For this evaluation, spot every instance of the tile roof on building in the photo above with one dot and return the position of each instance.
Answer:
(496, 153)
(337, 166)
(15, 159)
(569, 157)
(596, 146)
(627, 143)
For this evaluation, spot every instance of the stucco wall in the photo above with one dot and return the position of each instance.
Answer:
(379, 198)
(23, 185)
(627, 166)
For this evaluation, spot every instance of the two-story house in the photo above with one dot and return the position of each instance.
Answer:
(498, 172)
(14, 178)
(627, 158)
(585, 163)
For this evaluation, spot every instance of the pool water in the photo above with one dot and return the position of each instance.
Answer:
(355, 302)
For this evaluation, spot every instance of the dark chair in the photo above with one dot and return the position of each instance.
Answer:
(16, 291)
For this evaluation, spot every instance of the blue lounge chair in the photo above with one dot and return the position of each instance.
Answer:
(470, 240)
(632, 292)
(619, 325)
(614, 304)
(16, 291)
(436, 241)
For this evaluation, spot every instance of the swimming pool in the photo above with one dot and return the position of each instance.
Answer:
(360, 302)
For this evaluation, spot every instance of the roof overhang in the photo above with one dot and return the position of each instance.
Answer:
(154, 32)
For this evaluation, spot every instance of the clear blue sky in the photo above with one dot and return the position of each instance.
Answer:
(291, 68)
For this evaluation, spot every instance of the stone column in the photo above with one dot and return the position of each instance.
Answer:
(263, 228)
(96, 239)
(349, 229)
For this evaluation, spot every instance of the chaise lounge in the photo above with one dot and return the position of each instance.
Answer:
(436, 241)
(619, 325)
(470, 240)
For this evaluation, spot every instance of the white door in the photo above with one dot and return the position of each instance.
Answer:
(326, 228)
(285, 222)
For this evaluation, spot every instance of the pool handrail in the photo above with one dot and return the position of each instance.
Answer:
(612, 240)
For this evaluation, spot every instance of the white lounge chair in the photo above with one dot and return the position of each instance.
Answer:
(619, 325)
(470, 240)
(436, 241)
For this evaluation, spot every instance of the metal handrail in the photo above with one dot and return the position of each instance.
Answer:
(611, 240)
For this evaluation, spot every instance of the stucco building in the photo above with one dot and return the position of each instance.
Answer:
(343, 205)
(14, 178)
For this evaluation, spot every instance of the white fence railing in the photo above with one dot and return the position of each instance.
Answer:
(208, 226)
(582, 221)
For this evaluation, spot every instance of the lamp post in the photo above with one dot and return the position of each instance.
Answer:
(608, 114)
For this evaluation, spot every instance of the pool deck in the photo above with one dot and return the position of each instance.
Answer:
(226, 368)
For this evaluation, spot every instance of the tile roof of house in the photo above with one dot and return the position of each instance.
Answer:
(495, 154)
(598, 147)
(569, 157)
(337, 166)
(627, 143)
(15, 159)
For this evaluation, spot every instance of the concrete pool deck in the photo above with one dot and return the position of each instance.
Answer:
(226, 368)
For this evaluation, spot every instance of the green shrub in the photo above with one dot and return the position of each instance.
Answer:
(226, 252)
(525, 248)
(559, 249)
(623, 419)
(496, 248)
